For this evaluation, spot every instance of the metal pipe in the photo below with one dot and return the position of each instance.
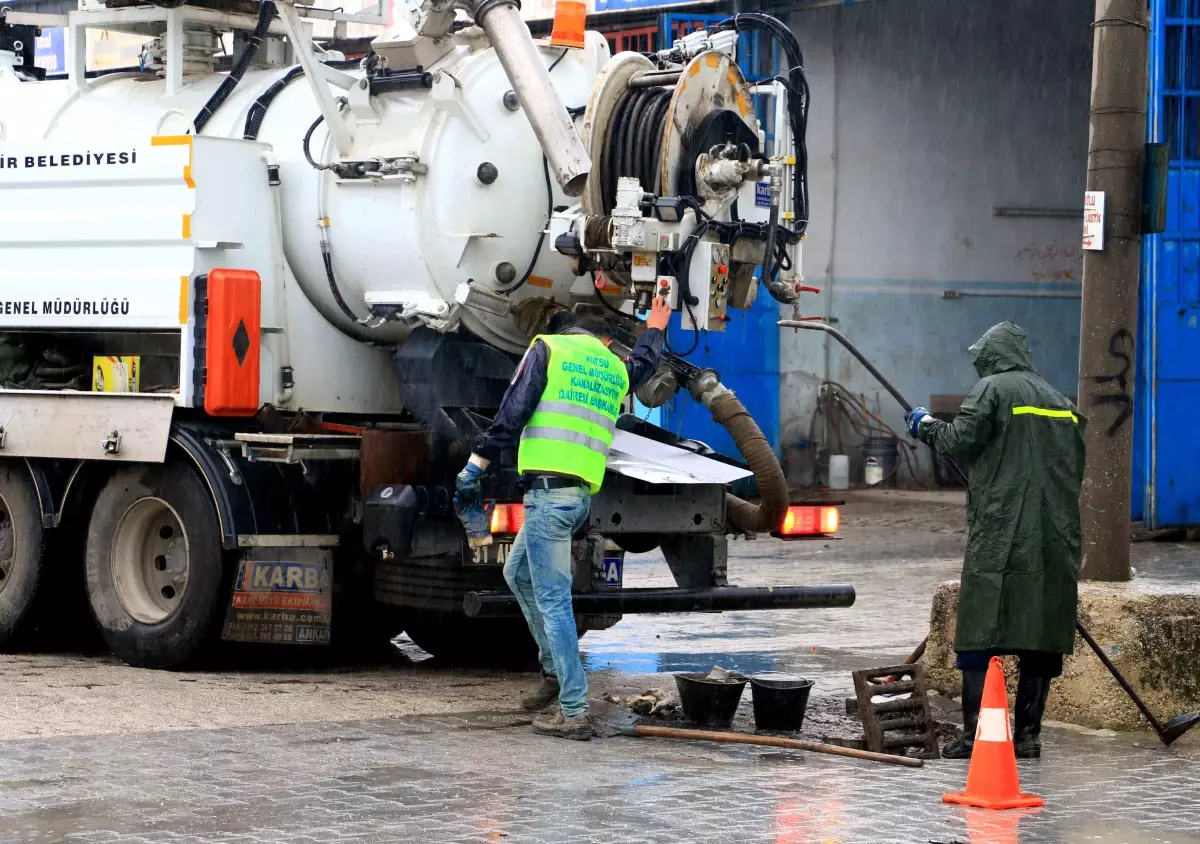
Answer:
(720, 599)
(887, 385)
(652, 80)
(852, 349)
(530, 79)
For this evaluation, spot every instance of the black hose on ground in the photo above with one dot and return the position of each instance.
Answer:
(266, 12)
(729, 413)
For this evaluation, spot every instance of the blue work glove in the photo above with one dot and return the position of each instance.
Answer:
(468, 502)
(914, 418)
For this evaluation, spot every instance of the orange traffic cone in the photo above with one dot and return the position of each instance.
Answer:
(992, 778)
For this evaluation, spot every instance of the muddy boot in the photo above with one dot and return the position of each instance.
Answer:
(972, 697)
(1031, 704)
(576, 727)
(545, 694)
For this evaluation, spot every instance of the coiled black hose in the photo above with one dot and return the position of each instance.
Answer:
(266, 11)
(634, 143)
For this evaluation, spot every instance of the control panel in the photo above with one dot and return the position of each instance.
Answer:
(718, 287)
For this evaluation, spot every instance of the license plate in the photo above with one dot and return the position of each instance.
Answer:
(612, 571)
(495, 554)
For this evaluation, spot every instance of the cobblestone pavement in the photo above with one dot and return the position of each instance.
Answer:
(484, 778)
(109, 754)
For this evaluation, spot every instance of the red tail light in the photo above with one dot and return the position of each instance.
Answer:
(507, 518)
(810, 521)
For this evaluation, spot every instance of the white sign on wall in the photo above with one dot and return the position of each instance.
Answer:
(1093, 220)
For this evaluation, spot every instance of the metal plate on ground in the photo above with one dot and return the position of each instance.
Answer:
(282, 596)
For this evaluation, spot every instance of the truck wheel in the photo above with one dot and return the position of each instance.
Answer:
(21, 545)
(154, 565)
(488, 643)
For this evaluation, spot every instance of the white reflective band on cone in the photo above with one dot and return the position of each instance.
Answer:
(993, 725)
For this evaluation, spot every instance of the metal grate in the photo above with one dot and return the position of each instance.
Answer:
(903, 720)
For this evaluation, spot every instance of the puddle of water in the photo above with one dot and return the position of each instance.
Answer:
(635, 662)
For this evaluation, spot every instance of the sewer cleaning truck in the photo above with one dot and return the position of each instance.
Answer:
(253, 316)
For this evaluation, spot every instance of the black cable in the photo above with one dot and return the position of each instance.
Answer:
(604, 301)
(258, 110)
(799, 95)
(537, 250)
(333, 285)
(307, 138)
(266, 11)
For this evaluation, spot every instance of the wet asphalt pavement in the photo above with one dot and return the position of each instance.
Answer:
(342, 762)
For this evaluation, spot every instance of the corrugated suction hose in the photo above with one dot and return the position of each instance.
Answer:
(729, 413)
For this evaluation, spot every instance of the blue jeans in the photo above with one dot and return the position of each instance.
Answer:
(539, 573)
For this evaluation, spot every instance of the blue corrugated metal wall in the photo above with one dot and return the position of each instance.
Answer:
(1167, 453)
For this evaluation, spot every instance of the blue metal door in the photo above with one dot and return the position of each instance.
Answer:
(1167, 462)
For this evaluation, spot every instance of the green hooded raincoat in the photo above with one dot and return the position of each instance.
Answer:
(1021, 442)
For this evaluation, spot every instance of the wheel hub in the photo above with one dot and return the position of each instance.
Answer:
(150, 560)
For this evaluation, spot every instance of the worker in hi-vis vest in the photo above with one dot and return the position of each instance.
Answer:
(563, 405)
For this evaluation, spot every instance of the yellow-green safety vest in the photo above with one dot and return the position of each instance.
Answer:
(571, 428)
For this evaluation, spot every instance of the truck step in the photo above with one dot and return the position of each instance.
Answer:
(298, 448)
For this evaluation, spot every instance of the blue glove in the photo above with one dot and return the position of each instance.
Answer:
(468, 502)
(468, 486)
(914, 418)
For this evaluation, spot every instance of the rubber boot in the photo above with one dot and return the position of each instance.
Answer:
(1032, 692)
(972, 697)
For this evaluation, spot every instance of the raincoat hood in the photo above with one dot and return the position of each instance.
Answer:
(1002, 348)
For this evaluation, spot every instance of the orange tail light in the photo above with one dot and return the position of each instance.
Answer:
(507, 518)
(810, 521)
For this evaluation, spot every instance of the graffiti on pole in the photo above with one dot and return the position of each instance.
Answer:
(1117, 344)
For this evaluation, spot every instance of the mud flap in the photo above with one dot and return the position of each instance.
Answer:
(282, 595)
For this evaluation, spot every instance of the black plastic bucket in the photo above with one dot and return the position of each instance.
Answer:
(886, 452)
(780, 701)
(709, 703)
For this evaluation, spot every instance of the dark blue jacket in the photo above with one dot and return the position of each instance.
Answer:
(529, 381)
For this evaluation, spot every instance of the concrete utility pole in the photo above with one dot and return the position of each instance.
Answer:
(1108, 328)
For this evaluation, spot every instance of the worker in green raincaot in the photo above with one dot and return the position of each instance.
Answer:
(1021, 442)
(562, 408)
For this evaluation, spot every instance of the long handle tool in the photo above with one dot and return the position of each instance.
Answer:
(1167, 732)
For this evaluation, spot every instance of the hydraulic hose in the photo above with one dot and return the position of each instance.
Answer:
(729, 413)
(254, 117)
(779, 291)
(266, 12)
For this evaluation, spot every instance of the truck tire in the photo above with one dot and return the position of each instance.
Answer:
(155, 566)
(22, 543)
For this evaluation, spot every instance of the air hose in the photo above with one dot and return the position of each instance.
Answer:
(266, 12)
(730, 414)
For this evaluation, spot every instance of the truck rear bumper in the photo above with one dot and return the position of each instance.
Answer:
(621, 601)
(85, 426)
